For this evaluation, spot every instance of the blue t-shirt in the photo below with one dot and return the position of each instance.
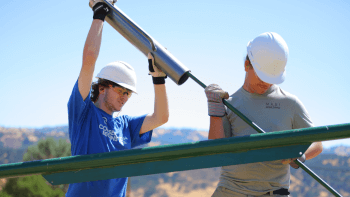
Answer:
(91, 131)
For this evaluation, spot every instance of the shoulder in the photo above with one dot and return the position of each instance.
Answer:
(236, 96)
(284, 94)
(294, 101)
(76, 96)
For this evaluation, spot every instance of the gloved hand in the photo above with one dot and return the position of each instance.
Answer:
(158, 75)
(215, 95)
(294, 165)
(100, 8)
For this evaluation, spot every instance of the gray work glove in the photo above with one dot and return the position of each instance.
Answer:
(215, 95)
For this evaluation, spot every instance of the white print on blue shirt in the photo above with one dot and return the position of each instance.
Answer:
(110, 133)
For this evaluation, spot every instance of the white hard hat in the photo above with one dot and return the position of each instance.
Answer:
(120, 73)
(268, 54)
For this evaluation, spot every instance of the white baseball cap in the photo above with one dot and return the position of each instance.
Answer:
(120, 73)
(268, 54)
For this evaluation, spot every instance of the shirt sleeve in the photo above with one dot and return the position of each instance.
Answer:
(227, 126)
(301, 117)
(135, 123)
(76, 105)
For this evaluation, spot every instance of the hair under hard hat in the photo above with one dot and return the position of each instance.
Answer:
(268, 54)
(120, 73)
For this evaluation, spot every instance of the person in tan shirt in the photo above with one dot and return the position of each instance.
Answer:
(270, 107)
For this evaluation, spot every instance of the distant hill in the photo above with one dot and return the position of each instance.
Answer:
(175, 136)
(333, 165)
(22, 137)
(338, 150)
(15, 141)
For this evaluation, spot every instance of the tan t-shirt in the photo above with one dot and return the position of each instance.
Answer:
(275, 110)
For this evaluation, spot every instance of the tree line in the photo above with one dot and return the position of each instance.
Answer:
(36, 185)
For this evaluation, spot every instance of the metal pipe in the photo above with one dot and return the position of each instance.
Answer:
(259, 130)
(145, 43)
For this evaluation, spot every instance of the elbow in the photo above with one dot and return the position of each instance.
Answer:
(315, 149)
(164, 119)
(165, 116)
(320, 147)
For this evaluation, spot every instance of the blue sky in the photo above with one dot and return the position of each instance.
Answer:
(42, 44)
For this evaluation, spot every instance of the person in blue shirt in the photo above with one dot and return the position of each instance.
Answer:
(92, 127)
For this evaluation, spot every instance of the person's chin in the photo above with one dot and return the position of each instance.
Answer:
(120, 108)
(117, 109)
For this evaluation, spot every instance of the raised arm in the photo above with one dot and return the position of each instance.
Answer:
(92, 47)
(90, 54)
(161, 109)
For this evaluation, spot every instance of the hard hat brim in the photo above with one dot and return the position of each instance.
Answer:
(278, 79)
(129, 87)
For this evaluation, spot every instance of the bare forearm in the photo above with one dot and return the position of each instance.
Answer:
(314, 150)
(90, 54)
(216, 129)
(93, 42)
(161, 108)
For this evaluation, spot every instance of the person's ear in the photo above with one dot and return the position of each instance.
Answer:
(102, 89)
(246, 65)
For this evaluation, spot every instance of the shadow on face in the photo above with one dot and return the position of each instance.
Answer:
(253, 83)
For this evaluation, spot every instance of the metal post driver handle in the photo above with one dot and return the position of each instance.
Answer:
(259, 130)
